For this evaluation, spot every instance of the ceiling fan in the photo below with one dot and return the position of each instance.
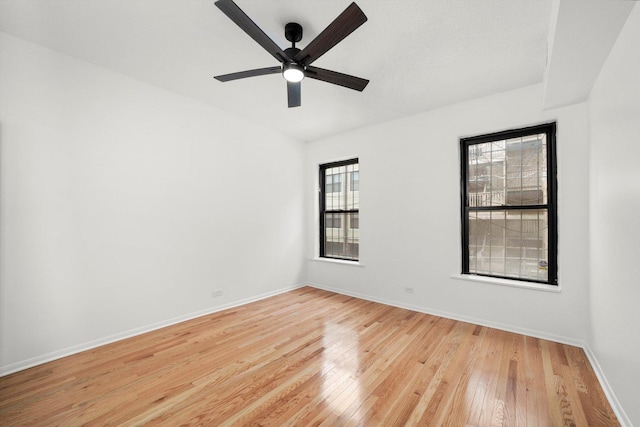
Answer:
(296, 63)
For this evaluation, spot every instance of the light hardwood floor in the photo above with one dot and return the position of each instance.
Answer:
(312, 357)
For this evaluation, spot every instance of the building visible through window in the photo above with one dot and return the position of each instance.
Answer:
(509, 205)
(333, 183)
(339, 210)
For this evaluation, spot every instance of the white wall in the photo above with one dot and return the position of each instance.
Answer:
(614, 304)
(124, 205)
(410, 216)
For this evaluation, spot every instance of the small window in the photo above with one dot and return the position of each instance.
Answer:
(355, 181)
(333, 221)
(333, 183)
(339, 210)
(509, 220)
(355, 221)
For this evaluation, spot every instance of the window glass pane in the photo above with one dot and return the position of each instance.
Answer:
(526, 170)
(336, 195)
(334, 198)
(353, 236)
(508, 172)
(485, 175)
(333, 183)
(511, 243)
(353, 196)
(474, 233)
(342, 235)
(355, 221)
(355, 181)
(332, 220)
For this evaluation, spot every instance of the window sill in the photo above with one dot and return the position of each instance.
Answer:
(507, 282)
(338, 261)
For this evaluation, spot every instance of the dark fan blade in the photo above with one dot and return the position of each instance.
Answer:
(346, 23)
(355, 83)
(293, 94)
(229, 8)
(248, 73)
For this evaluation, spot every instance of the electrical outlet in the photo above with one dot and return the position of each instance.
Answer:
(408, 290)
(216, 293)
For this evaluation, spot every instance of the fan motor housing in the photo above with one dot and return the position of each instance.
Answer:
(291, 52)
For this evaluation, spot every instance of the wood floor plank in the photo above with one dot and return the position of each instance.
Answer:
(312, 357)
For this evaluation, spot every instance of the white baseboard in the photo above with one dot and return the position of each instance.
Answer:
(476, 321)
(606, 387)
(58, 354)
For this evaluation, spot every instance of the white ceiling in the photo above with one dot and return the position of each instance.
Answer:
(580, 41)
(418, 54)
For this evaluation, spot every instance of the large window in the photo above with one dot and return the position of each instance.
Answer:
(509, 220)
(339, 210)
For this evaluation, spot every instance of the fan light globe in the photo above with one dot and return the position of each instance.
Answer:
(293, 72)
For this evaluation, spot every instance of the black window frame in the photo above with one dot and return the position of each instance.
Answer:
(323, 209)
(551, 206)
